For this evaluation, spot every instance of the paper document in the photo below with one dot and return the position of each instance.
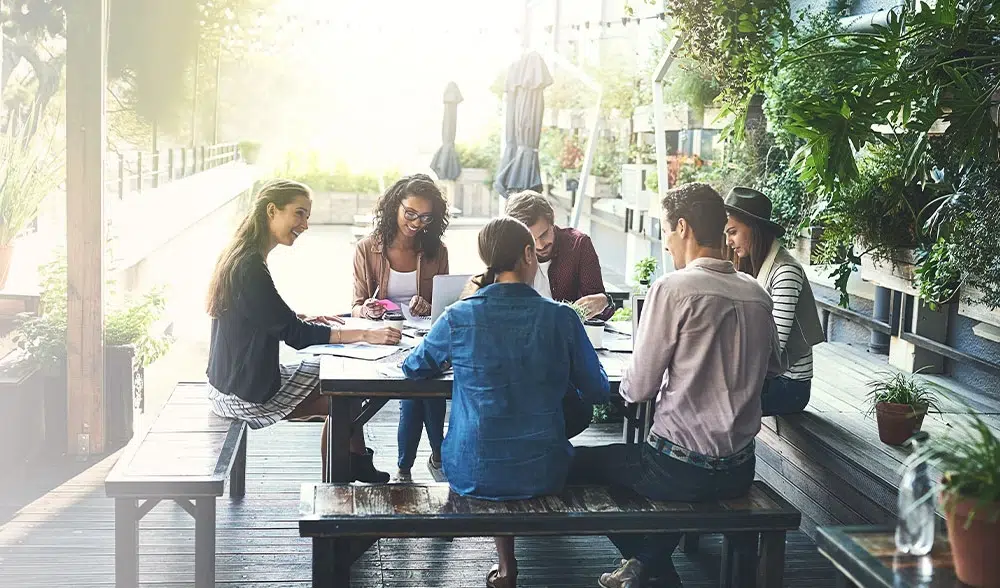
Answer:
(352, 350)
(417, 322)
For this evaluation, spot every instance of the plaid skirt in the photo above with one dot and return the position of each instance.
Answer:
(298, 381)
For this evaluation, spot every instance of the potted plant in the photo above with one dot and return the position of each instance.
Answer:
(593, 326)
(643, 273)
(900, 402)
(970, 497)
(249, 151)
(130, 345)
(30, 169)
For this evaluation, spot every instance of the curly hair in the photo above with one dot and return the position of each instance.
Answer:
(387, 211)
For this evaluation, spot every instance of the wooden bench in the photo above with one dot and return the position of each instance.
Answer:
(344, 520)
(186, 456)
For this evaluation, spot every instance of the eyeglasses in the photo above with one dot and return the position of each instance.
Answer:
(412, 215)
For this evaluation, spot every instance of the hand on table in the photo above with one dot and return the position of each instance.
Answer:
(419, 306)
(383, 336)
(594, 304)
(322, 320)
(372, 309)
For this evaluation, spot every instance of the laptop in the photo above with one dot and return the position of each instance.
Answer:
(447, 290)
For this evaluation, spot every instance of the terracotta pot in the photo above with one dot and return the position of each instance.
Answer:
(6, 254)
(974, 549)
(898, 422)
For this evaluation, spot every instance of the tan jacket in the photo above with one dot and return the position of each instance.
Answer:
(371, 270)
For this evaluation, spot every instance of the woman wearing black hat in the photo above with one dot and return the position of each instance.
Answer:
(754, 240)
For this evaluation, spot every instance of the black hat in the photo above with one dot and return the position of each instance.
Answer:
(754, 204)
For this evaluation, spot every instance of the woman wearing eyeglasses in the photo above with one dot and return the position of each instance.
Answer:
(398, 262)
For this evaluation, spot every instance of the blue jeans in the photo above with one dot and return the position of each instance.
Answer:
(784, 396)
(414, 416)
(655, 476)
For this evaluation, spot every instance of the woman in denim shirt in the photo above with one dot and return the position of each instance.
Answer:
(514, 354)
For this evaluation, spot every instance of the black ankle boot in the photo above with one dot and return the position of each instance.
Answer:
(363, 470)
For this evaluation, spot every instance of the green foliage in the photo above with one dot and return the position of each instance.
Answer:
(736, 42)
(623, 314)
(604, 413)
(249, 151)
(482, 155)
(580, 311)
(43, 336)
(969, 458)
(900, 388)
(568, 92)
(609, 157)
(653, 182)
(691, 83)
(938, 277)
(927, 63)
(31, 167)
(308, 169)
(644, 270)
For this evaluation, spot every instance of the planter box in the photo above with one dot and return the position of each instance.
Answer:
(975, 311)
(124, 393)
(896, 274)
(21, 410)
(634, 183)
(806, 244)
(598, 187)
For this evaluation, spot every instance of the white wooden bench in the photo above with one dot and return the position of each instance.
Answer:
(186, 456)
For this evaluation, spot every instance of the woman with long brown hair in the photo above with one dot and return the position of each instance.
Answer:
(249, 319)
(398, 262)
(514, 355)
(754, 241)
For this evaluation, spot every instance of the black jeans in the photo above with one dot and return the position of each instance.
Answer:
(657, 477)
(784, 396)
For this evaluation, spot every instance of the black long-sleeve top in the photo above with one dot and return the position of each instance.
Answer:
(243, 357)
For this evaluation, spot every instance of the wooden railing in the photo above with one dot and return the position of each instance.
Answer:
(134, 171)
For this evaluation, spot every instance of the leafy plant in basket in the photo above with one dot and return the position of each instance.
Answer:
(900, 402)
(969, 460)
(594, 327)
(43, 336)
(644, 270)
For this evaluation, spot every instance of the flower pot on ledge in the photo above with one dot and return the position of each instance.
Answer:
(895, 273)
(898, 422)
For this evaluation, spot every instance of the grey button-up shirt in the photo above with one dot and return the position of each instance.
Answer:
(705, 342)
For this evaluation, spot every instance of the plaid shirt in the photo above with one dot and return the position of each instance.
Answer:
(576, 270)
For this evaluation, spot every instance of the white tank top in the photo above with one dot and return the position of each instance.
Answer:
(402, 287)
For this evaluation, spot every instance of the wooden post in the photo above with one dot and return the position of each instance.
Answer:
(86, 26)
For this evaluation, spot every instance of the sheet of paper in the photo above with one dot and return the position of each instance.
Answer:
(417, 322)
(352, 350)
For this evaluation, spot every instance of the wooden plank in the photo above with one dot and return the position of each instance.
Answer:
(86, 26)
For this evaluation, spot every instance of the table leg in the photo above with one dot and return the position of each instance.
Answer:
(126, 542)
(771, 563)
(338, 441)
(204, 542)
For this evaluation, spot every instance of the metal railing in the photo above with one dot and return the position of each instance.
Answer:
(134, 171)
(901, 308)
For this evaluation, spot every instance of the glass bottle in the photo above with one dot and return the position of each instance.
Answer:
(917, 508)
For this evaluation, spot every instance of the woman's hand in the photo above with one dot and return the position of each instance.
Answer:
(372, 309)
(382, 336)
(594, 304)
(419, 306)
(322, 320)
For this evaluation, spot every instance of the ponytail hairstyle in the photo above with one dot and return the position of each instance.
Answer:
(501, 247)
(387, 213)
(761, 238)
(251, 238)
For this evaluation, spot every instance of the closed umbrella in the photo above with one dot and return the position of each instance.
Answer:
(445, 163)
(519, 168)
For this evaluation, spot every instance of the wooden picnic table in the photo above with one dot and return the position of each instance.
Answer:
(345, 380)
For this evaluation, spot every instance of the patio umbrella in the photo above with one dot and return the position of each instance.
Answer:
(445, 163)
(519, 168)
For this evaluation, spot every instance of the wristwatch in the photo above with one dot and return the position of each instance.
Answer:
(611, 301)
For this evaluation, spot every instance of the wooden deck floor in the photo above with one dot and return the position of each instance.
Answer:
(66, 537)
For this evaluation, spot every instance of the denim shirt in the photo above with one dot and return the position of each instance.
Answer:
(514, 354)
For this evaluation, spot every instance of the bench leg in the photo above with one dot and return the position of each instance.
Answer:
(331, 563)
(739, 560)
(126, 543)
(238, 477)
(771, 564)
(204, 542)
(689, 543)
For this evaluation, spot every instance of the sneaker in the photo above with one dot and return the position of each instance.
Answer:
(435, 469)
(628, 575)
(402, 477)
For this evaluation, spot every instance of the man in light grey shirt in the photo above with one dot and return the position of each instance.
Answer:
(704, 345)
